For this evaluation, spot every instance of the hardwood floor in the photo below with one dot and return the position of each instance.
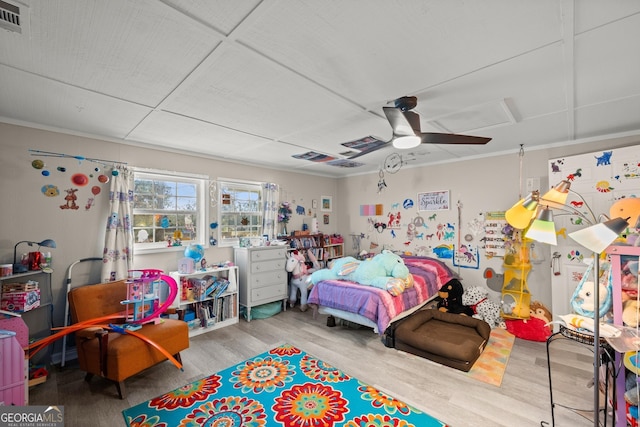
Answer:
(445, 393)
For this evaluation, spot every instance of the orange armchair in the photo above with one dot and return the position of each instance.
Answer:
(115, 356)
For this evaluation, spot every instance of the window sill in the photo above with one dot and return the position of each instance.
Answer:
(163, 249)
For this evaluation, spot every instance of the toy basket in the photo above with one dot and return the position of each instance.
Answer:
(581, 337)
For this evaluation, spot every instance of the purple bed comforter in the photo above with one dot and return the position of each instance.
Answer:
(378, 305)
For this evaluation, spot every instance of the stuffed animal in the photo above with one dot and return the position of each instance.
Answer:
(629, 279)
(300, 274)
(536, 327)
(484, 309)
(631, 313)
(385, 271)
(450, 298)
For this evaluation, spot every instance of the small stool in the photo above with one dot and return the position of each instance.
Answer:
(450, 339)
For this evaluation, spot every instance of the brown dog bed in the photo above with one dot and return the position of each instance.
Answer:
(450, 339)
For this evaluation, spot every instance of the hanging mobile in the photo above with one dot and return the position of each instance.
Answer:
(381, 184)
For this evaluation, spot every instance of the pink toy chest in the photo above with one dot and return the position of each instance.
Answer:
(12, 381)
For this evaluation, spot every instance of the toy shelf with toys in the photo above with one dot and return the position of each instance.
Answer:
(207, 299)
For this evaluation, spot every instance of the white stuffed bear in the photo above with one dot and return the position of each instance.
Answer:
(485, 309)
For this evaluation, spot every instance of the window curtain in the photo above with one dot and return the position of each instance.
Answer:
(271, 197)
(117, 256)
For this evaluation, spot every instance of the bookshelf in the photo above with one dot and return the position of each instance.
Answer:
(207, 299)
(325, 247)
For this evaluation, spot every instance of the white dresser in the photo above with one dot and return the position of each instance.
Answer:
(263, 278)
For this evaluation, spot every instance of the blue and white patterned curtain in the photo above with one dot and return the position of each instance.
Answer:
(117, 256)
(271, 198)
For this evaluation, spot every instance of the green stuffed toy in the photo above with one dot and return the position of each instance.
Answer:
(385, 271)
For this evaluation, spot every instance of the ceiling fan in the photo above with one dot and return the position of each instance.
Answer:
(406, 129)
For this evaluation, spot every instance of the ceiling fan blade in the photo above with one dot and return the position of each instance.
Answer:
(452, 138)
(399, 121)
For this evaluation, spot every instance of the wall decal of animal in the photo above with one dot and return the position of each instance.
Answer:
(494, 280)
(469, 256)
(70, 199)
(576, 174)
(604, 159)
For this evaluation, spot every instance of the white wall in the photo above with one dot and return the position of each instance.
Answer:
(28, 215)
(481, 185)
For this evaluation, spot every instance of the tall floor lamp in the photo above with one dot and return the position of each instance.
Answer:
(534, 214)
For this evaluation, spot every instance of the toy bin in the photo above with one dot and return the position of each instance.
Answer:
(516, 297)
(20, 297)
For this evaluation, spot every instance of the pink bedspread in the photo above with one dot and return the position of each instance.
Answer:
(378, 305)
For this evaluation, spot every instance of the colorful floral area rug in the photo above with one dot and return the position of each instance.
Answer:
(492, 363)
(282, 387)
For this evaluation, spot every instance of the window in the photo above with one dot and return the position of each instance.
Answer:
(167, 207)
(240, 211)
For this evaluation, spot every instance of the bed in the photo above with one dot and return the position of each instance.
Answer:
(377, 308)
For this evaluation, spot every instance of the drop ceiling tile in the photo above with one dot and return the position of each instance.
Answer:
(170, 130)
(410, 45)
(65, 107)
(243, 91)
(138, 51)
(592, 14)
(607, 62)
(223, 15)
(622, 115)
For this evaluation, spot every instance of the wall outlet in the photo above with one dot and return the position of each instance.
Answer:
(533, 184)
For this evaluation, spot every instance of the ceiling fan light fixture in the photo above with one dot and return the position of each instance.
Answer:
(406, 142)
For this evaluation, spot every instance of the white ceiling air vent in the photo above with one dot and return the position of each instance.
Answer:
(12, 16)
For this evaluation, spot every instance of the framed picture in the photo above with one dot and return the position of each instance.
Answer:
(434, 201)
(314, 204)
(326, 203)
(326, 219)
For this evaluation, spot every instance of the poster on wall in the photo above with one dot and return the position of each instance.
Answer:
(494, 239)
(434, 201)
(466, 256)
